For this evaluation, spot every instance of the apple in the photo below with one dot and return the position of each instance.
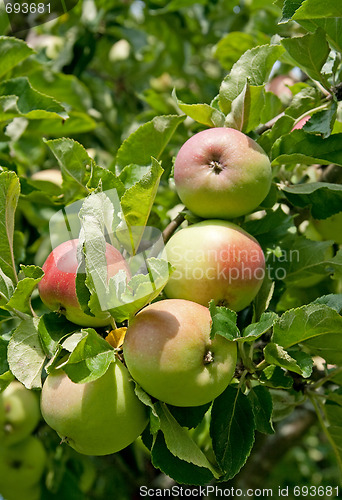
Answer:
(95, 418)
(330, 228)
(21, 466)
(279, 85)
(216, 260)
(22, 413)
(57, 288)
(222, 173)
(50, 174)
(18, 492)
(301, 123)
(169, 352)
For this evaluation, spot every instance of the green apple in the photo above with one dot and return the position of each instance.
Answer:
(57, 288)
(222, 173)
(21, 466)
(94, 418)
(169, 352)
(18, 492)
(22, 412)
(330, 228)
(217, 260)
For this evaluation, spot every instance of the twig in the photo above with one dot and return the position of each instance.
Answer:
(171, 228)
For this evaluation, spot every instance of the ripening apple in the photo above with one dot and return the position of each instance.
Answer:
(216, 260)
(169, 352)
(279, 85)
(222, 173)
(57, 288)
(330, 228)
(299, 125)
(21, 467)
(95, 418)
(22, 413)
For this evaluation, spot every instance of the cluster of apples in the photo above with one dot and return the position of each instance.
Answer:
(219, 174)
(22, 455)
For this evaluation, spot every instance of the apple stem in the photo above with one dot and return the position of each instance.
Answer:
(208, 358)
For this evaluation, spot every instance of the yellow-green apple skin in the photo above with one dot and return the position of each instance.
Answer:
(95, 418)
(222, 173)
(169, 352)
(217, 260)
(22, 412)
(50, 175)
(330, 228)
(21, 467)
(57, 288)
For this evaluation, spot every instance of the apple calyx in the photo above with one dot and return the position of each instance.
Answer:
(216, 166)
(208, 357)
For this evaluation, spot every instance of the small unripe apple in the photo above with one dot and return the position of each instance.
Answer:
(94, 418)
(169, 352)
(21, 466)
(216, 260)
(57, 288)
(22, 413)
(222, 173)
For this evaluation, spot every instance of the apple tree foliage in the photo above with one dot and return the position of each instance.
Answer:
(108, 94)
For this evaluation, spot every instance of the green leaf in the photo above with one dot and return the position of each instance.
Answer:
(179, 441)
(233, 45)
(63, 88)
(90, 358)
(125, 301)
(53, 328)
(21, 298)
(274, 376)
(18, 98)
(305, 259)
(323, 198)
(201, 113)
(332, 27)
(289, 8)
(190, 416)
(25, 354)
(255, 330)
(181, 471)
(323, 121)
(76, 123)
(309, 52)
(284, 402)
(223, 322)
(12, 52)
(149, 140)
(6, 288)
(245, 109)
(253, 66)
(296, 361)
(313, 9)
(9, 195)
(333, 300)
(75, 164)
(232, 430)
(3, 356)
(308, 149)
(5, 379)
(262, 406)
(317, 326)
(137, 201)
